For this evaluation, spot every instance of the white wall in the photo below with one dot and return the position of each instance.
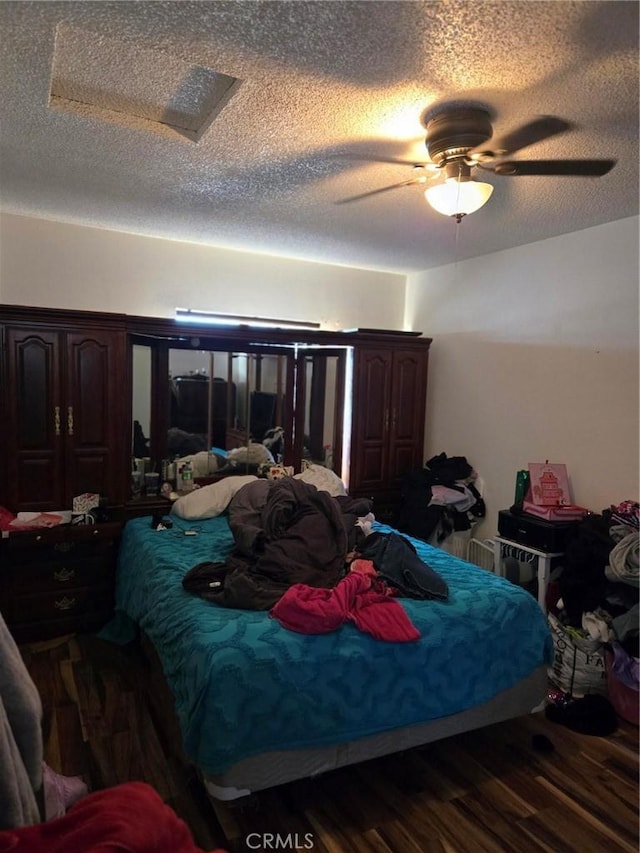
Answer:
(535, 357)
(535, 352)
(56, 265)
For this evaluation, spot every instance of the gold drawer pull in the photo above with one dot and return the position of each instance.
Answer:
(65, 603)
(70, 420)
(56, 420)
(64, 575)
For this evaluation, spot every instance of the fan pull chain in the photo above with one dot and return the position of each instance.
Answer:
(456, 241)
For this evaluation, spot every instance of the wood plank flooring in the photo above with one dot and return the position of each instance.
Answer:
(487, 790)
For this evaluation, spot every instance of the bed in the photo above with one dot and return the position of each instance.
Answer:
(259, 705)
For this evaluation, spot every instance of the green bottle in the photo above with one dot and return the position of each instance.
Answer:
(522, 486)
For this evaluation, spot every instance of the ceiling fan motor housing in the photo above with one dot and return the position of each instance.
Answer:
(450, 135)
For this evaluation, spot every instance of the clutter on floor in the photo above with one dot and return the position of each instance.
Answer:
(594, 619)
(591, 715)
(440, 499)
(128, 817)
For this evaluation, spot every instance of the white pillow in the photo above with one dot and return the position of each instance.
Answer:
(323, 479)
(210, 501)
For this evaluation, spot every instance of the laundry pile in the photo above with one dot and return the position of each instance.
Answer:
(439, 499)
(385, 565)
(313, 561)
(595, 621)
(285, 531)
(600, 579)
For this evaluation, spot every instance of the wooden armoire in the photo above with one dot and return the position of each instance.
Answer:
(66, 399)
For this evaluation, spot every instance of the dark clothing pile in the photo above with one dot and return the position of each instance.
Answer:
(286, 532)
(590, 715)
(423, 514)
(583, 583)
(600, 573)
(399, 565)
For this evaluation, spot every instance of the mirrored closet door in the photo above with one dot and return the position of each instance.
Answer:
(233, 404)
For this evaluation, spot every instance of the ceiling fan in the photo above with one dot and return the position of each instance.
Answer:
(457, 143)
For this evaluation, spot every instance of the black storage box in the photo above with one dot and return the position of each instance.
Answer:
(547, 536)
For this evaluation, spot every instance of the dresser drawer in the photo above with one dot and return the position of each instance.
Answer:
(59, 573)
(59, 580)
(56, 604)
(80, 541)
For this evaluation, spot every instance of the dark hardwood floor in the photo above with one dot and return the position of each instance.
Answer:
(488, 790)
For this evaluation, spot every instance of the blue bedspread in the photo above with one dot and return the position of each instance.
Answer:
(244, 685)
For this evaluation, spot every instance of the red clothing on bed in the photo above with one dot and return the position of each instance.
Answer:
(309, 610)
(130, 818)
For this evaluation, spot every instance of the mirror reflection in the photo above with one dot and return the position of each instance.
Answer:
(141, 378)
(233, 412)
(222, 402)
(321, 428)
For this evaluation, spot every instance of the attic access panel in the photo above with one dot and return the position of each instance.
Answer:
(102, 77)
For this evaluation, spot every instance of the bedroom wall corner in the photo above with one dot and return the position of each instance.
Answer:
(535, 356)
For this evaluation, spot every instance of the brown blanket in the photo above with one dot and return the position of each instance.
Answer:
(293, 534)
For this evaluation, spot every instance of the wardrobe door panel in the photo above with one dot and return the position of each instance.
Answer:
(388, 422)
(409, 386)
(372, 396)
(35, 406)
(93, 415)
(373, 461)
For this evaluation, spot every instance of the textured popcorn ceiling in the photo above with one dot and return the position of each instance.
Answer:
(138, 88)
(240, 124)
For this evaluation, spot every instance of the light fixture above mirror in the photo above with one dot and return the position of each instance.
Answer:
(190, 315)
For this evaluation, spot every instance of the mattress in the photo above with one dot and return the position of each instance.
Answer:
(244, 686)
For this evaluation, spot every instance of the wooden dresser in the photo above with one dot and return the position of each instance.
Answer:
(58, 580)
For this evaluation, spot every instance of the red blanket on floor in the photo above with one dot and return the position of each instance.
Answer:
(129, 818)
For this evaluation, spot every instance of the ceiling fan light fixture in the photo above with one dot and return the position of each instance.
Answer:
(458, 196)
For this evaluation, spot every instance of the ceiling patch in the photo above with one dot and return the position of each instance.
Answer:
(104, 78)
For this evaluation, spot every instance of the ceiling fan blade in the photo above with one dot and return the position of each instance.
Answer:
(540, 128)
(432, 167)
(410, 183)
(575, 168)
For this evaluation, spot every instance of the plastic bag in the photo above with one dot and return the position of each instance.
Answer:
(578, 666)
